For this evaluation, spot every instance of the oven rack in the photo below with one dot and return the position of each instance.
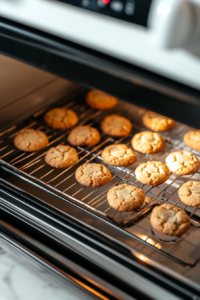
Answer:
(62, 181)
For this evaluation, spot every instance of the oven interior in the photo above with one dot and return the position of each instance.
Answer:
(180, 256)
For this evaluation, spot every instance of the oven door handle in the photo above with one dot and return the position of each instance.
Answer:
(173, 23)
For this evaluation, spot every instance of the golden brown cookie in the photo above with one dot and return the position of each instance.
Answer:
(94, 175)
(170, 220)
(189, 193)
(115, 125)
(61, 156)
(192, 139)
(84, 135)
(31, 140)
(152, 172)
(118, 155)
(157, 122)
(61, 118)
(125, 197)
(148, 142)
(182, 162)
(99, 100)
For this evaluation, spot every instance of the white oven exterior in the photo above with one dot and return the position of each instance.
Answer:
(126, 41)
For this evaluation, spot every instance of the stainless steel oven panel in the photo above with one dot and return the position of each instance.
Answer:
(114, 259)
(123, 245)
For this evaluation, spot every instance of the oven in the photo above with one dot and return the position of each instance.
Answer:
(44, 212)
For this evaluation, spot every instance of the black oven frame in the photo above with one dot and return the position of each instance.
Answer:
(100, 71)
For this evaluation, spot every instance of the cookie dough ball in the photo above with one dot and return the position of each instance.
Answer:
(115, 125)
(61, 118)
(94, 175)
(192, 139)
(98, 100)
(31, 140)
(182, 162)
(148, 142)
(125, 197)
(170, 220)
(189, 193)
(157, 122)
(152, 173)
(118, 155)
(84, 136)
(61, 156)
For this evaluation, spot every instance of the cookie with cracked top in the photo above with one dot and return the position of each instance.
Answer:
(157, 122)
(31, 140)
(61, 118)
(125, 197)
(182, 162)
(84, 136)
(61, 156)
(152, 173)
(98, 100)
(116, 125)
(118, 155)
(94, 175)
(189, 193)
(170, 220)
(148, 142)
(192, 139)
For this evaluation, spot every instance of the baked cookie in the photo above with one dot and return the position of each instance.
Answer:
(148, 142)
(189, 193)
(170, 220)
(115, 125)
(31, 140)
(98, 100)
(125, 197)
(94, 175)
(84, 135)
(182, 162)
(157, 122)
(118, 155)
(152, 173)
(192, 139)
(61, 118)
(61, 156)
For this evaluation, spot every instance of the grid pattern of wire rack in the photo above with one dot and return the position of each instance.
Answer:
(63, 180)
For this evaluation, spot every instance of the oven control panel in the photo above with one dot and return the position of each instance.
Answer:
(134, 11)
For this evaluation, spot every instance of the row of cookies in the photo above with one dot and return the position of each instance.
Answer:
(31, 140)
(114, 125)
(167, 218)
(158, 122)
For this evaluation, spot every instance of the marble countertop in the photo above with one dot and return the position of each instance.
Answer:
(21, 280)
